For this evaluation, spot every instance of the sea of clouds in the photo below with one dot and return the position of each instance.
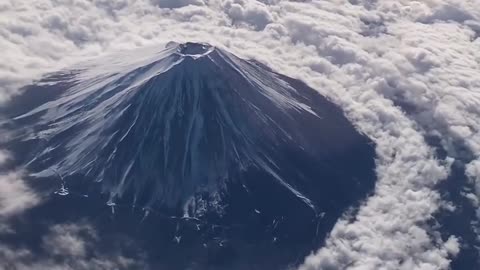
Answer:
(402, 70)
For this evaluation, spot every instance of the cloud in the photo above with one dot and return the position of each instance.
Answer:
(449, 13)
(177, 3)
(67, 247)
(67, 240)
(4, 158)
(15, 195)
(250, 12)
(401, 70)
(473, 172)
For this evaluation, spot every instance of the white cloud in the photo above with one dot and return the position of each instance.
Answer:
(15, 195)
(249, 12)
(473, 172)
(69, 239)
(177, 3)
(4, 158)
(67, 247)
(368, 57)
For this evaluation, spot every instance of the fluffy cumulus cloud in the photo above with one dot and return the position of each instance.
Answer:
(15, 195)
(249, 12)
(402, 70)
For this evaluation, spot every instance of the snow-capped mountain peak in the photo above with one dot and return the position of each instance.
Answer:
(187, 123)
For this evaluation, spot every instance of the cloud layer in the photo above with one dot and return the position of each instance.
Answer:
(402, 70)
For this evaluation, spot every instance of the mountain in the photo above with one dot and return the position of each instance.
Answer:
(194, 134)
